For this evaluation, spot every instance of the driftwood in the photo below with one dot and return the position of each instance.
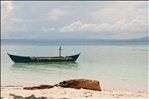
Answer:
(74, 83)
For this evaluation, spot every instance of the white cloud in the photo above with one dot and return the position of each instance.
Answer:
(10, 29)
(47, 29)
(22, 20)
(11, 25)
(118, 11)
(10, 22)
(55, 14)
(7, 8)
(6, 14)
(137, 26)
(116, 19)
(96, 19)
(72, 27)
(80, 26)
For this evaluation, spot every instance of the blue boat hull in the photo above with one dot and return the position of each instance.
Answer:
(20, 59)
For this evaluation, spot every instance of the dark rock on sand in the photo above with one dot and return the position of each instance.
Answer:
(46, 86)
(74, 83)
(81, 83)
(29, 97)
(33, 97)
(16, 96)
(39, 87)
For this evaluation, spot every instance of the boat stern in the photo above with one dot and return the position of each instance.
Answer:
(74, 57)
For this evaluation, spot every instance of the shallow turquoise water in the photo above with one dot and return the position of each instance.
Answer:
(117, 67)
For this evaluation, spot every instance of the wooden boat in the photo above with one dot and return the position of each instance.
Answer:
(19, 59)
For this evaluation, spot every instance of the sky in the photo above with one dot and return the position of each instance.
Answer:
(74, 19)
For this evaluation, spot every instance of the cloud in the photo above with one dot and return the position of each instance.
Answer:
(75, 26)
(16, 25)
(136, 25)
(118, 11)
(88, 19)
(21, 28)
(47, 29)
(114, 20)
(80, 26)
(7, 8)
(6, 14)
(22, 20)
(10, 23)
(55, 14)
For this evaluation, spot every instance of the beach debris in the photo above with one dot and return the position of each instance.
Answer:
(33, 97)
(46, 86)
(81, 83)
(39, 87)
(29, 97)
(73, 83)
(16, 96)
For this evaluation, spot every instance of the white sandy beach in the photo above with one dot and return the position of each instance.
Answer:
(8, 92)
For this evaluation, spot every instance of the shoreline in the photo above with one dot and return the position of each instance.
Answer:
(105, 89)
(9, 92)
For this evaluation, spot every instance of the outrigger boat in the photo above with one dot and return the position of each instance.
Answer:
(20, 59)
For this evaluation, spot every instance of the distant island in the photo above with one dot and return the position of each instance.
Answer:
(142, 40)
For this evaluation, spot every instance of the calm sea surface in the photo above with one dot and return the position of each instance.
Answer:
(117, 67)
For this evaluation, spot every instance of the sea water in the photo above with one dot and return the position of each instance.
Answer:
(116, 67)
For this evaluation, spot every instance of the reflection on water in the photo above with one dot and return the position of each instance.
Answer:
(45, 65)
(41, 72)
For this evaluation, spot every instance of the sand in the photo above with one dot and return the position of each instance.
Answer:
(11, 92)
